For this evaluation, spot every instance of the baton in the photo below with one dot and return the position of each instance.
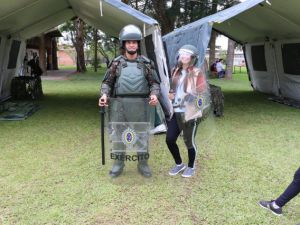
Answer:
(102, 114)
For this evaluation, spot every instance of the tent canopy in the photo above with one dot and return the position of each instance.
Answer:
(254, 21)
(260, 20)
(269, 30)
(21, 20)
(28, 18)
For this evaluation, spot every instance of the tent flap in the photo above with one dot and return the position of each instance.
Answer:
(198, 36)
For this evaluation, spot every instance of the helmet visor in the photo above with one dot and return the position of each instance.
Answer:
(184, 56)
(185, 52)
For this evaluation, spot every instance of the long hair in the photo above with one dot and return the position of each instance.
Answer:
(195, 79)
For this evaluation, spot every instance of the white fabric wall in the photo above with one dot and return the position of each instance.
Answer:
(8, 74)
(262, 81)
(274, 78)
(289, 83)
(2, 53)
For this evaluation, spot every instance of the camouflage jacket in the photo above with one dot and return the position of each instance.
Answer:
(112, 73)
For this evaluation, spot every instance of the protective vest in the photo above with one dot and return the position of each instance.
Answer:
(131, 80)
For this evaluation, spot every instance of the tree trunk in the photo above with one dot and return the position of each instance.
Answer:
(166, 22)
(213, 37)
(212, 47)
(54, 54)
(229, 59)
(80, 45)
(42, 53)
(49, 58)
(95, 49)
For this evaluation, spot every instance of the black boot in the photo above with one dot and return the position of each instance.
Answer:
(118, 166)
(142, 166)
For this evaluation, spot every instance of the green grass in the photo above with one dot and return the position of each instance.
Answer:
(89, 67)
(50, 169)
(64, 67)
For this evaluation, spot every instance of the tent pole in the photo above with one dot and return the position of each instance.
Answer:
(101, 9)
(247, 66)
(275, 66)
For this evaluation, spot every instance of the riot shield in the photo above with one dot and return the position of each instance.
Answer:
(196, 100)
(197, 105)
(129, 121)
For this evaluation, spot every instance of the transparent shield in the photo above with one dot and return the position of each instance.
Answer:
(128, 121)
(206, 132)
(197, 105)
(128, 136)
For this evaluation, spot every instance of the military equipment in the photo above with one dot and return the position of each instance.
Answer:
(102, 115)
(191, 50)
(131, 81)
(129, 122)
(217, 98)
(130, 33)
(25, 87)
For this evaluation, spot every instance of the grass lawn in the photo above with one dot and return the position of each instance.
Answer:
(50, 169)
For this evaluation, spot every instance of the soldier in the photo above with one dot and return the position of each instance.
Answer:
(187, 83)
(121, 79)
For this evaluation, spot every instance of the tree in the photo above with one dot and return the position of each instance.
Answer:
(95, 31)
(76, 30)
(229, 59)
(98, 42)
(166, 14)
(213, 37)
(231, 45)
(42, 54)
(79, 44)
(173, 14)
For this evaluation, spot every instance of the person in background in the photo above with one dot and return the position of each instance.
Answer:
(213, 69)
(220, 68)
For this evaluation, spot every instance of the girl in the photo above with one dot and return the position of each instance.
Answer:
(187, 81)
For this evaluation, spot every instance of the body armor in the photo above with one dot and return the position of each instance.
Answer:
(131, 80)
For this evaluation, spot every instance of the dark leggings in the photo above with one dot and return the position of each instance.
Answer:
(292, 190)
(175, 126)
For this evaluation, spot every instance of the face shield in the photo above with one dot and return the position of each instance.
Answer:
(185, 56)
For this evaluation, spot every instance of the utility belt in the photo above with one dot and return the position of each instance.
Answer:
(131, 96)
(178, 107)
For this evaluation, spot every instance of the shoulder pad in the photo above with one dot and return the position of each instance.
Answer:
(117, 59)
(145, 59)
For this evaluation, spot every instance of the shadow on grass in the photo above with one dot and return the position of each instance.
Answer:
(59, 106)
(245, 102)
(235, 100)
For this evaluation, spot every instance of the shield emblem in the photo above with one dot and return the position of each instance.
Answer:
(128, 125)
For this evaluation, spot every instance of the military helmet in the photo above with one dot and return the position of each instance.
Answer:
(191, 50)
(130, 33)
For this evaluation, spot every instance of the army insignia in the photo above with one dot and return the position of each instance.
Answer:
(129, 136)
(199, 101)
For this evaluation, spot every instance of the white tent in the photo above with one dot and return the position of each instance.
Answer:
(269, 30)
(21, 20)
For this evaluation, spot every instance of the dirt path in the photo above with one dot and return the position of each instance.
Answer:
(58, 74)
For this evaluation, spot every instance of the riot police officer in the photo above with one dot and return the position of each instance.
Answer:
(121, 79)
